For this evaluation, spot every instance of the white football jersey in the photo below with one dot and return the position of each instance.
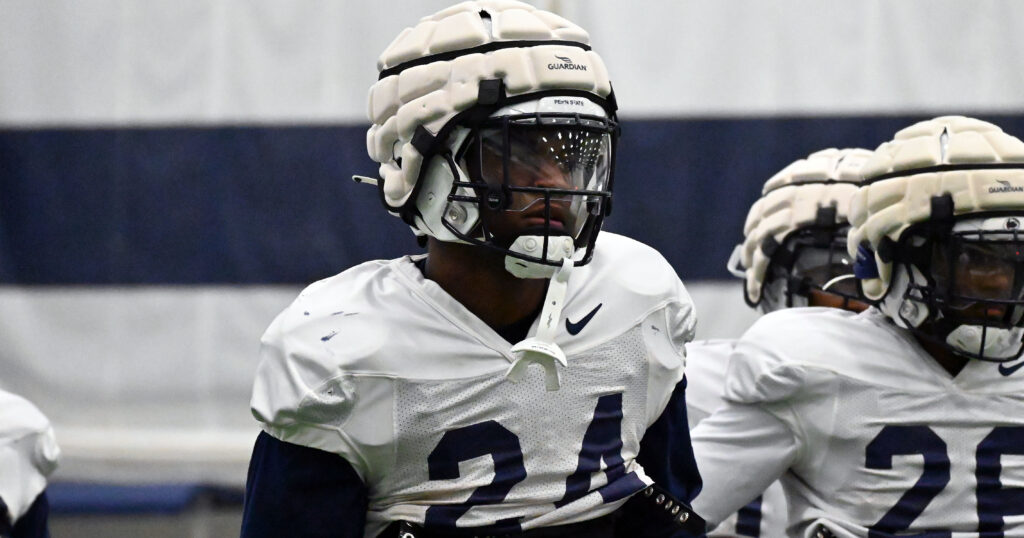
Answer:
(28, 453)
(381, 366)
(870, 435)
(706, 362)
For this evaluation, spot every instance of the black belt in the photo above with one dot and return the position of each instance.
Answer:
(602, 527)
(651, 513)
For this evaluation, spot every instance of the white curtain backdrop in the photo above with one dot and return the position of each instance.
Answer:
(125, 62)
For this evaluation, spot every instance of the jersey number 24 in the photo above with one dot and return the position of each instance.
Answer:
(603, 439)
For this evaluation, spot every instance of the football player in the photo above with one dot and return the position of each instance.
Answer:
(793, 254)
(906, 419)
(28, 454)
(524, 377)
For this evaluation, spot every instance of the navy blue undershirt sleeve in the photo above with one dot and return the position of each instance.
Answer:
(302, 492)
(32, 524)
(665, 451)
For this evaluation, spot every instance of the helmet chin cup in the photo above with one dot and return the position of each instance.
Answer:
(559, 248)
(999, 344)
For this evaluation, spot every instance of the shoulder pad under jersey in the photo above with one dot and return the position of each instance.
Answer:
(304, 376)
(803, 349)
(706, 363)
(28, 453)
(630, 280)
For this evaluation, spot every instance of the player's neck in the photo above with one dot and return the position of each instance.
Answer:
(949, 361)
(477, 278)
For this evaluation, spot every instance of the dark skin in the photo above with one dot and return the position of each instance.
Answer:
(476, 277)
(982, 278)
(949, 361)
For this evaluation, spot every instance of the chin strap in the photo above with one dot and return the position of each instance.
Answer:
(542, 349)
(559, 248)
(987, 343)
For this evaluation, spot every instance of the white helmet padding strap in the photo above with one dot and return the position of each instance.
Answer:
(542, 349)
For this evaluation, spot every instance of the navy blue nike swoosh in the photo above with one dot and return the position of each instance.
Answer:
(575, 328)
(1009, 371)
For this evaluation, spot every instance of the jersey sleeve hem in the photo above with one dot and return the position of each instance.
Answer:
(319, 437)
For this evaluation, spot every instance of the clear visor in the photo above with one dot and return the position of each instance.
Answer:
(827, 268)
(557, 170)
(821, 262)
(980, 274)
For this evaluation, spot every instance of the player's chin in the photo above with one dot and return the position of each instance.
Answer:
(554, 226)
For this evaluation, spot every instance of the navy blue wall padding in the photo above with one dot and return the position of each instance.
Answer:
(269, 205)
(90, 498)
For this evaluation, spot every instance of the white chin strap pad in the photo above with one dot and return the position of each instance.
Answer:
(560, 248)
(999, 343)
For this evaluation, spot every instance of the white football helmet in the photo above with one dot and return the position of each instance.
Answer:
(935, 232)
(795, 234)
(496, 106)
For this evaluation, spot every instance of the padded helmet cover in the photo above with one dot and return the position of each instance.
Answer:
(432, 72)
(975, 162)
(790, 201)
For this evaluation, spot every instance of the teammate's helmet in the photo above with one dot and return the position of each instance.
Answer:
(795, 234)
(490, 106)
(935, 229)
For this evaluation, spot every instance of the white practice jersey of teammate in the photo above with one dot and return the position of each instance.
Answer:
(28, 454)
(706, 363)
(381, 366)
(868, 432)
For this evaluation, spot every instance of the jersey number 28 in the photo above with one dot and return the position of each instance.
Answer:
(994, 501)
